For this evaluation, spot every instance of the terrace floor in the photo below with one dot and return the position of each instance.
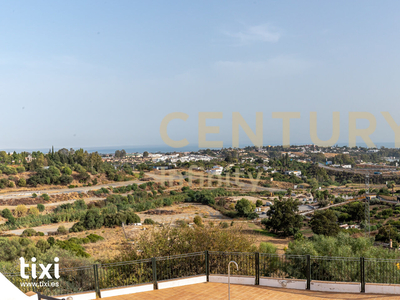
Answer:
(210, 291)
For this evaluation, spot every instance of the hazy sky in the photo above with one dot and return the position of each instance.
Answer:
(105, 73)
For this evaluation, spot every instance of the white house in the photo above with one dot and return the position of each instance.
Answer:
(216, 170)
(297, 173)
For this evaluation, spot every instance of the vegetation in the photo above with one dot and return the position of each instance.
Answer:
(325, 222)
(283, 217)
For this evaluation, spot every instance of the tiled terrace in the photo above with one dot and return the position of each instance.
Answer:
(210, 291)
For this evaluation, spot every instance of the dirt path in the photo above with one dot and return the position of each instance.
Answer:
(185, 212)
(45, 228)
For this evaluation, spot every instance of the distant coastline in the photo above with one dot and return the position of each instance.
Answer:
(165, 148)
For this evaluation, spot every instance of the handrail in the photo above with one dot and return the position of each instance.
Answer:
(229, 277)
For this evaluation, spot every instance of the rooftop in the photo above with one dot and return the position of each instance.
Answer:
(216, 291)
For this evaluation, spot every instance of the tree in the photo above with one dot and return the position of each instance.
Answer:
(93, 219)
(67, 171)
(386, 233)
(42, 245)
(259, 203)
(244, 207)
(325, 222)
(283, 217)
(391, 185)
(145, 154)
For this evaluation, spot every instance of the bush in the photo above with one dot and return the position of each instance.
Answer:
(93, 238)
(33, 211)
(224, 225)
(148, 222)
(77, 227)
(46, 197)
(34, 195)
(80, 205)
(29, 232)
(259, 203)
(40, 207)
(20, 169)
(267, 248)
(62, 230)
(51, 241)
(20, 211)
(198, 221)
(6, 213)
(21, 182)
(67, 171)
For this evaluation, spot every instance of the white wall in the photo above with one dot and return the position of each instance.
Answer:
(126, 290)
(382, 289)
(284, 283)
(181, 282)
(234, 279)
(345, 287)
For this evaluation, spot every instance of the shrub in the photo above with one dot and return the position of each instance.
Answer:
(198, 221)
(33, 211)
(62, 230)
(20, 169)
(40, 207)
(51, 241)
(29, 232)
(21, 182)
(67, 171)
(77, 227)
(93, 238)
(267, 248)
(6, 213)
(259, 203)
(224, 225)
(148, 222)
(80, 204)
(34, 195)
(46, 197)
(20, 211)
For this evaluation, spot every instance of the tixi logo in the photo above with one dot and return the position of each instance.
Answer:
(45, 269)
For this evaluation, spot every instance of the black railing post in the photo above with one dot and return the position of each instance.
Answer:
(308, 272)
(362, 272)
(154, 266)
(257, 265)
(207, 266)
(96, 280)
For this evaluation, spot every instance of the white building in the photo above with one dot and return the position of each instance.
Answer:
(297, 173)
(216, 170)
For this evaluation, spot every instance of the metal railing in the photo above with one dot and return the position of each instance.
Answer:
(94, 278)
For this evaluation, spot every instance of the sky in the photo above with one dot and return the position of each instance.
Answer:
(106, 73)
